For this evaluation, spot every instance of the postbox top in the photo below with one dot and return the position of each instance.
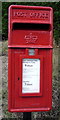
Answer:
(25, 22)
(30, 14)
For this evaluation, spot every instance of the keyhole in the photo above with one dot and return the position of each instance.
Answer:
(18, 78)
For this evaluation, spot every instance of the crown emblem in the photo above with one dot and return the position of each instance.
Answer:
(30, 38)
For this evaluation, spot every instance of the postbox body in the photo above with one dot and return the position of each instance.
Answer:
(30, 58)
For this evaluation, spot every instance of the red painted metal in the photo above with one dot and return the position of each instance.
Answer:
(29, 27)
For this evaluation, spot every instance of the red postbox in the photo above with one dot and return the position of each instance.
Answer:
(30, 58)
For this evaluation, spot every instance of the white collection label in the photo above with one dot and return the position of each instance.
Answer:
(31, 76)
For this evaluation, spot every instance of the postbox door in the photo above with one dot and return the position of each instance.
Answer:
(37, 99)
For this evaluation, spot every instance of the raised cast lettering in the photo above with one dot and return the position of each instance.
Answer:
(38, 15)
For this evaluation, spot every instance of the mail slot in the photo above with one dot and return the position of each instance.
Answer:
(30, 34)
